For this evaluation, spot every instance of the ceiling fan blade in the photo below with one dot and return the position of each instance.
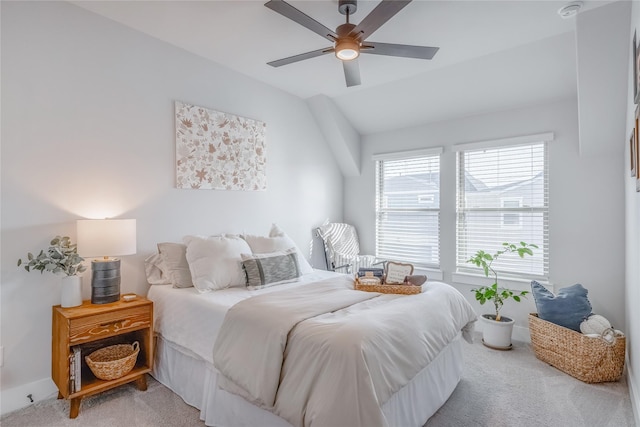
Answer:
(384, 11)
(351, 72)
(285, 9)
(402, 50)
(300, 57)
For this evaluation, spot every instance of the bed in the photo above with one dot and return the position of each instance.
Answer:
(187, 323)
(309, 351)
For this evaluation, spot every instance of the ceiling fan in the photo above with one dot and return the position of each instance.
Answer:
(349, 39)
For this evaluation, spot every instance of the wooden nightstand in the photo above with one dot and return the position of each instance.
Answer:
(92, 326)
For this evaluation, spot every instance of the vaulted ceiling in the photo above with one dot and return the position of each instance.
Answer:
(493, 55)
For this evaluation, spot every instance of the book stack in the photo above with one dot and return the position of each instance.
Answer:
(375, 272)
(75, 370)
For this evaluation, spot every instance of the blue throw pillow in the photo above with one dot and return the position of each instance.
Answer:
(568, 308)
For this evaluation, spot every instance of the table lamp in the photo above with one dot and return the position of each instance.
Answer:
(105, 238)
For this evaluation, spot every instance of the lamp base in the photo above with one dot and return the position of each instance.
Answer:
(105, 281)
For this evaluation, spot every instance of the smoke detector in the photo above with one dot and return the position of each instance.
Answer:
(570, 10)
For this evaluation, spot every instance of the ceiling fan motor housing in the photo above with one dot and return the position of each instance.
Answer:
(344, 30)
(347, 47)
(347, 6)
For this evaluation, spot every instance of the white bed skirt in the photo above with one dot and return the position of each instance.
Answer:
(195, 381)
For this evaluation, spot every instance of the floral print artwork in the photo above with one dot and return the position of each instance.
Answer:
(219, 151)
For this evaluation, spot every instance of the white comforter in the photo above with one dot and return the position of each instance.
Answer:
(326, 355)
(192, 320)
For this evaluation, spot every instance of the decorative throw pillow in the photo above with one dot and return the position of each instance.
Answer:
(215, 262)
(154, 270)
(277, 241)
(175, 265)
(271, 268)
(568, 308)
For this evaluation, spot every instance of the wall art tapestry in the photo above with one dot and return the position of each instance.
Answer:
(220, 151)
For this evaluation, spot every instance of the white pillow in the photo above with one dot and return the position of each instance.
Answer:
(305, 267)
(277, 241)
(154, 270)
(215, 262)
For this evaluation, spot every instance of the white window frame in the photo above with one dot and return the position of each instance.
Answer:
(381, 207)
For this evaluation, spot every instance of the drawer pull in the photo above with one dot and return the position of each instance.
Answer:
(116, 323)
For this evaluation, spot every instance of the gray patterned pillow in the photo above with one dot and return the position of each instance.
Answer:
(270, 269)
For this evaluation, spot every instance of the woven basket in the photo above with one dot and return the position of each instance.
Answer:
(388, 289)
(588, 359)
(113, 362)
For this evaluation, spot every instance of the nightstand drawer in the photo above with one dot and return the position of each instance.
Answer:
(108, 324)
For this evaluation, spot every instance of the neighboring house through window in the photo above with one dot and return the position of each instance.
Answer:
(408, 207)
(511, 217)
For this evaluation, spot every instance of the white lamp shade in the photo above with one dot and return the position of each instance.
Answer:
(106, 237)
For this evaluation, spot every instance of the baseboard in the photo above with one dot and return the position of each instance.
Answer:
(634, 394)
(520, 333)
(16, 398)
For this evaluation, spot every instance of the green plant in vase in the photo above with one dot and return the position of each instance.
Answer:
(61, 258)
(496, 294)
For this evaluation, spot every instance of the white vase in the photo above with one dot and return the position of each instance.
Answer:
(71, 292)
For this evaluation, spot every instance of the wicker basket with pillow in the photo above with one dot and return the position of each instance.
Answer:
(557, 340)
(589, 359)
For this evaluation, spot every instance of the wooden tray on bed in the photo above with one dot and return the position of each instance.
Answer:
(388, 289)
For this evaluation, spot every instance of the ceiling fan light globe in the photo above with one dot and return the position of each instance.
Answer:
(347, 54)
(347, 50)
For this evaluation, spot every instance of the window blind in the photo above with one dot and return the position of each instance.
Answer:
(503, 196)
(408, 210)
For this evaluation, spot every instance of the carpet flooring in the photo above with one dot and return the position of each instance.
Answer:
(498, 389)
(514, 389)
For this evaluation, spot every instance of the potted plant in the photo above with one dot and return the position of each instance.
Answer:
(497, 330)
(61, 258)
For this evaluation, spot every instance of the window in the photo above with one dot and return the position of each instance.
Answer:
(503, 196)
(408, 207)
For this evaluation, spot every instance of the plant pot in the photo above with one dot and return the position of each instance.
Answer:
(71, 291)
(497, 335)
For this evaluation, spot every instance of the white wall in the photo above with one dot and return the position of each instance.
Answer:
(586, 212)
(340, 135)
(88, 131)
(601, 56)
(632, 243)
